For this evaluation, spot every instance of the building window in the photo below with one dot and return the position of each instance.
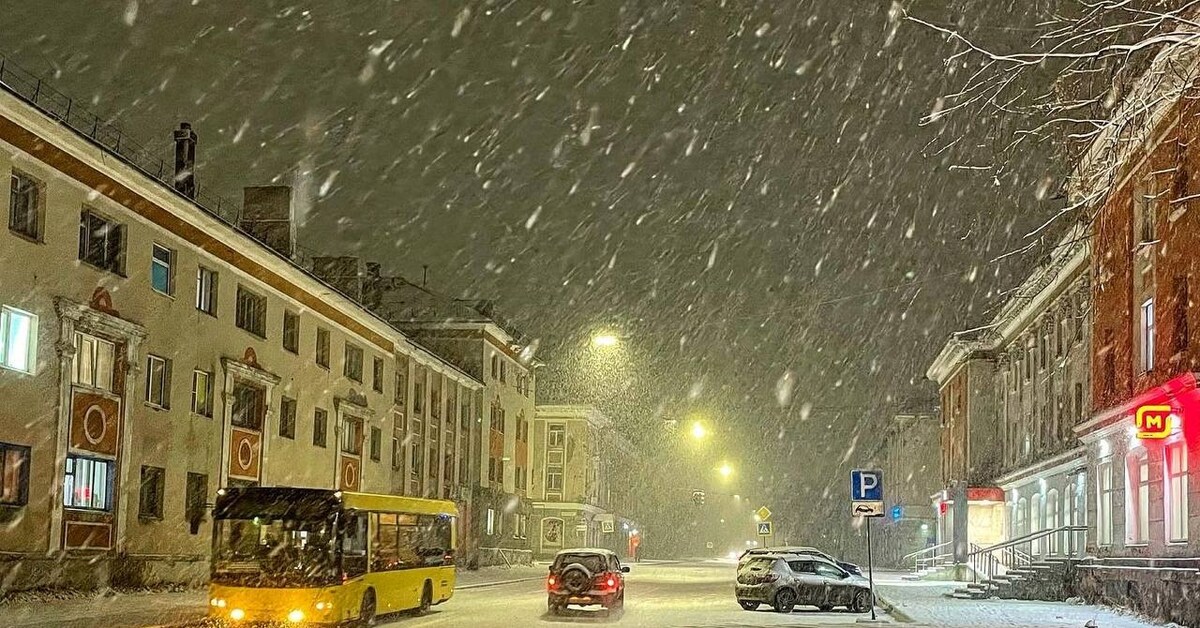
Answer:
(93, 363)
(1177, 492)
(554, 479)
(206, 291)
(377, 374)
(202, 393)
(251, 312)
(150, 496)
(25, 206)
(249, 405)
(1104, 503)
(320, 426)
(287, 418)
(158, 381)
(503, 371)
(1109, 372)
(397, 446)
(322, 355)
(415, 462)
(376, 443)
(162, 269)
(14, 483)
(87, 484)
(432, 466)
(101, 243)
(556, 436)
(1030, 350)
(291, 331)
(1181, 298)
(1080, 411)
(1137, 497)
(353, 366)
(495, 366)
(352, 436)
(18, 340)
(491, 522)
(401, 391)
(1147, 335)
(195, 500)
(1143, 212)
(419, 396)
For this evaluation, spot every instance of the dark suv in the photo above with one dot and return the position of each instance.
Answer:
(585, 577)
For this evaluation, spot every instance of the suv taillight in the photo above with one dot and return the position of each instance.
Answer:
(551, 583)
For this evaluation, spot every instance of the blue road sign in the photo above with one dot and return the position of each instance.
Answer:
(897, 513)
(866, 485)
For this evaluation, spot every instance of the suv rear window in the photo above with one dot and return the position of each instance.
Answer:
(594, 563)
(760, 563)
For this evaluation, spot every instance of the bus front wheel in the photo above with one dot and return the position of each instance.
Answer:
(366, 612)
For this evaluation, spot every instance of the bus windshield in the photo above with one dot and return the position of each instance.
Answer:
(265, 552)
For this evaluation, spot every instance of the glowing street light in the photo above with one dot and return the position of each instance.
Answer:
(698, 431)
(725, 470)
(605, 340)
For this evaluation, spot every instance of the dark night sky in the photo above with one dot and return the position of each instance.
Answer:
(739, 187)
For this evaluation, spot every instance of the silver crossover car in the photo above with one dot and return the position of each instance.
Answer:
(784, 581)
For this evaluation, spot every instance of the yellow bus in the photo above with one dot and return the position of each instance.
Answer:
(302, 555)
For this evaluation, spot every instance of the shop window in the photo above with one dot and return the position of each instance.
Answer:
(1176, 506)
(1137, 498)
(1104, 503)
(87, 483)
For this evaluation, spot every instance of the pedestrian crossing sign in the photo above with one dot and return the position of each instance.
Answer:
(764, 528)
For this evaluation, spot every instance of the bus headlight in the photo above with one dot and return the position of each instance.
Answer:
(217, 602)
(296, 616)
(237, 614)
(324, 606)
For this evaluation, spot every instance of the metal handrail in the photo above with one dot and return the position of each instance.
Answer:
(917, 555)
(1006, 555)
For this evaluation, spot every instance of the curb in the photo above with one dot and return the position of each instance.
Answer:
(480, 585)
(888, 606)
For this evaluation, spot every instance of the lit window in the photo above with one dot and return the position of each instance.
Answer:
(18, 339)
(1177, 492)
(162, 262)
(87, 483)
(93, 363)
(1147, 334)
(491, 521)
(1104, 503)
(1137, 498)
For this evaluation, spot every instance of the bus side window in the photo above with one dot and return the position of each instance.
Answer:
(354, 543)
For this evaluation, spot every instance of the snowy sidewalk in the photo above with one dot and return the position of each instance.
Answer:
(127, 610)
(925, 604)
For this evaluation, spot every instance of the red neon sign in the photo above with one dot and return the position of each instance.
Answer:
(1153, 421)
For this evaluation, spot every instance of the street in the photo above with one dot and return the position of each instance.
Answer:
(678, 594)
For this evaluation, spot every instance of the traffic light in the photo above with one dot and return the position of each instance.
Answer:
(698, 498)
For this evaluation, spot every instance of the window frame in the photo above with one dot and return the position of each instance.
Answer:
(7, 314)
(377, 374)
(168, 265)
(1104, 502)
(321, 418)
(72, 470)
(163, 401)
(376, 446)
(353, 369)
(115, 265)
(205, 411)
(38, 211)
(1146, 335)
(1175, 493)
(323, 348)
(158, 481)
(207, 282)
(290, 338)
(21, 481)
(94, 364)
(287, 417)
(244, 319)
(1137, 498)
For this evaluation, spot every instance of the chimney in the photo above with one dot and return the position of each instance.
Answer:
(267, 217)
(373, 286)
(185, 160)
(344, 273)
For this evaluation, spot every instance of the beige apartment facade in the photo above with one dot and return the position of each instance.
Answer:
(153, 353)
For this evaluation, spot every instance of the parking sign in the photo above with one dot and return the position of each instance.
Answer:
(866, 485)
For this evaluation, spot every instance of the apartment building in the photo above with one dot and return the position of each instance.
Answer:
(152, 351)
(579, 485)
